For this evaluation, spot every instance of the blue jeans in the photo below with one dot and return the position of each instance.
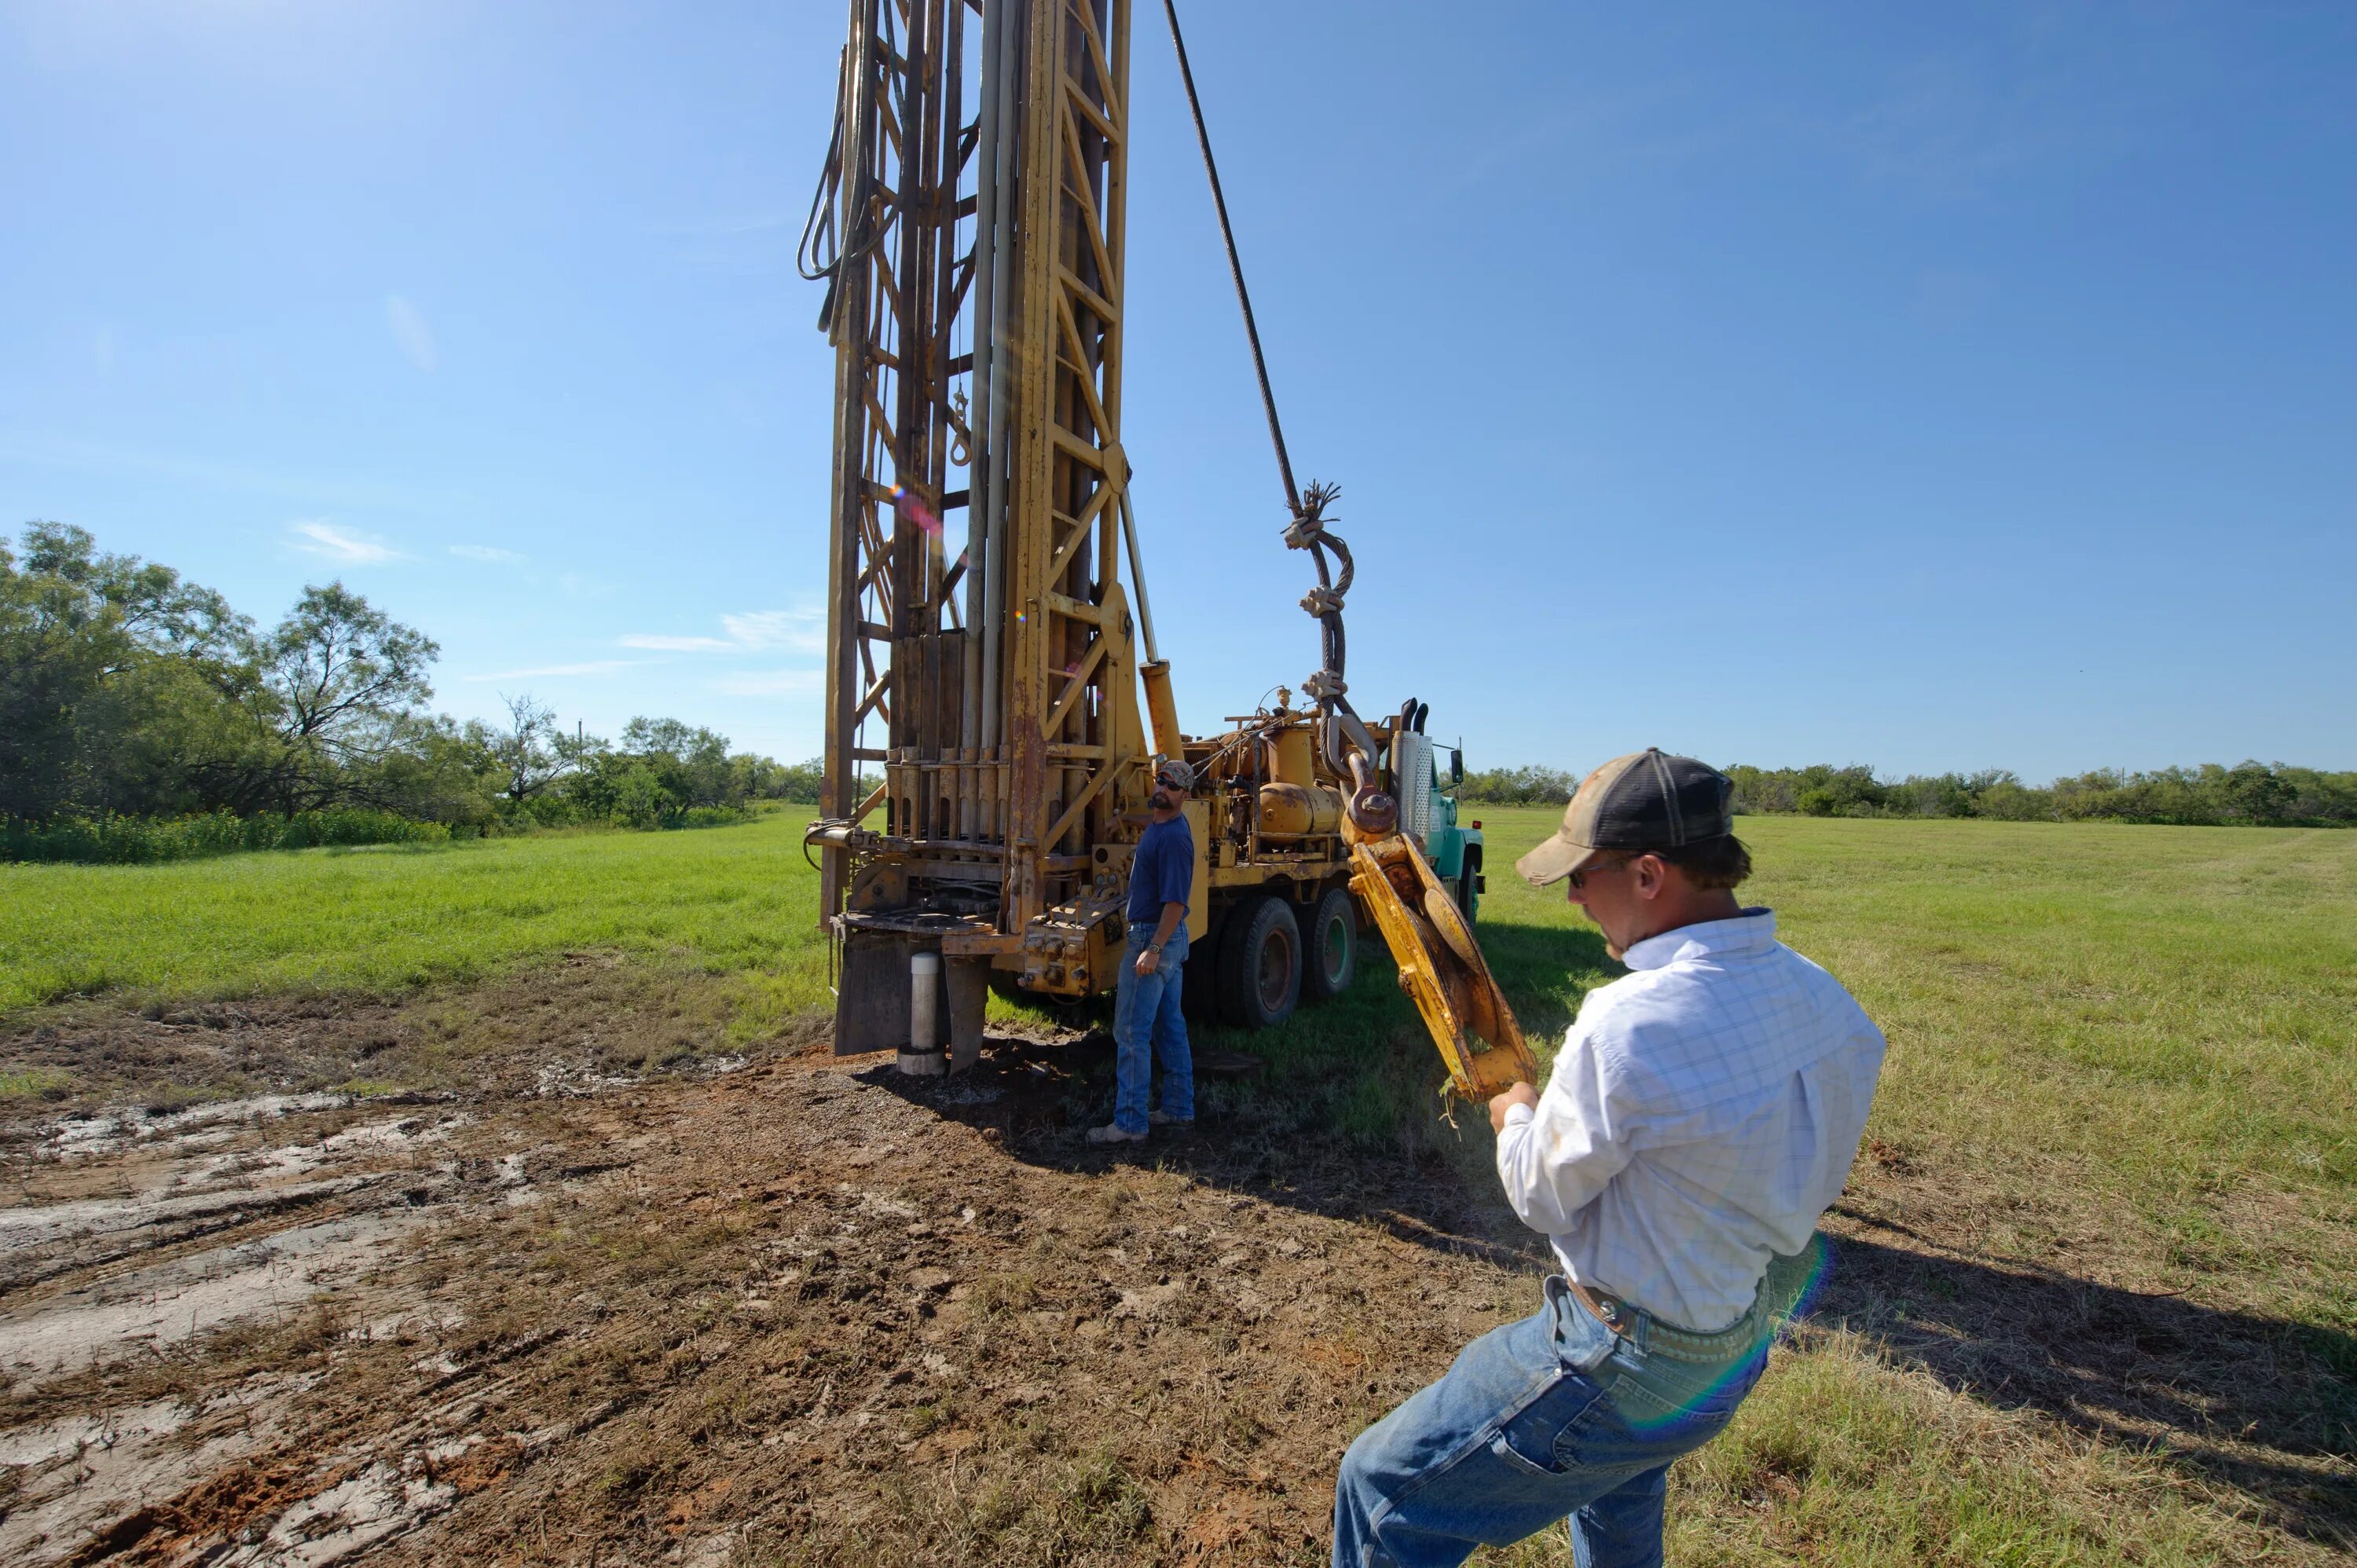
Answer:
(1147, 1024)
(1550, 1417)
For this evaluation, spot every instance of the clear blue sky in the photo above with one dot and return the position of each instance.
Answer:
(1928, 386)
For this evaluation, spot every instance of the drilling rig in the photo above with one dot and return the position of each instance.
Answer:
(987, 753)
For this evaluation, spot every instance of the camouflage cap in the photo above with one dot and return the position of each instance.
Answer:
(1643, 800)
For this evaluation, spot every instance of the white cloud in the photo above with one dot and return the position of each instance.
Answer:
(315, 536)
(487, 553)
(802, 630)
(772, 682)
(796, 631)
(410, 332)
(598, 666)
(677, 644)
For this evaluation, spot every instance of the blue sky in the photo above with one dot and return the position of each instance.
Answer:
(1933, 387)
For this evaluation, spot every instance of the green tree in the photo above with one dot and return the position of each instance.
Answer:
(113, 673)
(339, 676)
(531, 750)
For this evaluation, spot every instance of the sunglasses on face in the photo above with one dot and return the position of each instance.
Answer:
(1580, 878)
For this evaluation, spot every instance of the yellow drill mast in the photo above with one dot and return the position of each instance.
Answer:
(986, 601)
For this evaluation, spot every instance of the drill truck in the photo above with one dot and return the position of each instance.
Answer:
(996, 696)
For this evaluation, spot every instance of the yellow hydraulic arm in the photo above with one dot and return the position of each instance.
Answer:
(1440, 965)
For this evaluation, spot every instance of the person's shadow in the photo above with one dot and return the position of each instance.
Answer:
(2265, 1406)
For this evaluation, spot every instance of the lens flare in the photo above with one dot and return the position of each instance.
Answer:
(1791, 1290)
(912, 505)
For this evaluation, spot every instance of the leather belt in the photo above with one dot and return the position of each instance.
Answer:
(1680, 1344)
(1606, 1309)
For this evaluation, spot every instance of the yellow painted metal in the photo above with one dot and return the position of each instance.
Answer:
(1441, 968)
(1164, 707)
(1292, 757)
(1069, 651)
(1015, 786)
(1199, 898)
(1289, 812)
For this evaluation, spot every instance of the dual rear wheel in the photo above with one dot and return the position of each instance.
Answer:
(1267, 956)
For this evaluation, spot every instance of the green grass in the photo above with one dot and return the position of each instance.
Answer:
(396, 918)
(34, 1084)
(2169, 1009)
(2118, 1053)
(2130, 1053)
(2170, 1004)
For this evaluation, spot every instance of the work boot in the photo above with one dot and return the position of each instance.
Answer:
(1161, 1120)
(1114, 1132)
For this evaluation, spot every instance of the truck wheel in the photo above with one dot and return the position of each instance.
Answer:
(1260, 964)
(1468, 884)
(1330, 956)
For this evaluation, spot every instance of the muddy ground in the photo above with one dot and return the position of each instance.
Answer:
(539, 1274)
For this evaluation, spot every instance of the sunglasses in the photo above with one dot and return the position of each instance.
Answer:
(1580, 878)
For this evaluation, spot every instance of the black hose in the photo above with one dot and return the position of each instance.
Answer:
(1236, 267)
(1307, 529)
(818, 229)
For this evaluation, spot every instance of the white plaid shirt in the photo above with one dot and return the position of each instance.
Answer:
(1704, 1113)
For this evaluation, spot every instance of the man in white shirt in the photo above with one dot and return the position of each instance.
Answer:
(1700, 1118)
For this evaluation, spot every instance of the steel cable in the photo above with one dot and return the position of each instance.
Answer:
(1307, 529)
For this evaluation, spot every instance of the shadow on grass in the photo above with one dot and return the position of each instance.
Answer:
(1342, 1121)
(2265, 1406)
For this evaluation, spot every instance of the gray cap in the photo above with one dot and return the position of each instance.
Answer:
(1174, 773)
(1642, 801)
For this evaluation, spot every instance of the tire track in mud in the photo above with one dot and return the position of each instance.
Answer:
(503, 1327)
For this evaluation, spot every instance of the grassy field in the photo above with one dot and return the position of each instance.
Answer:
(389, 919)
(2122, 1072)
(2123, 1059)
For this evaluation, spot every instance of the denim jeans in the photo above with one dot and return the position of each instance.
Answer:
(1147, 1024)
(1550, 1418)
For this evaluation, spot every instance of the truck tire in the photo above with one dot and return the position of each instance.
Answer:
(1260, 964)
(1468, 884)
(1330, 946)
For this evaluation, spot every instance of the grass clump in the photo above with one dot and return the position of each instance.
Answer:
(36, 1084)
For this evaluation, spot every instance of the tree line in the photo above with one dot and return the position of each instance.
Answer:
(143, 718)
(2248, 794)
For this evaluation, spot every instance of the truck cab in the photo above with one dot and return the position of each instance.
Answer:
(1425, 781)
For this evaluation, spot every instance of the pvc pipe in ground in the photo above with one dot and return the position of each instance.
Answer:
(924, 1002)
(922, 1055)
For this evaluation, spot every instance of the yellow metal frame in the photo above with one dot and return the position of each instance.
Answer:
(1078, 755)
(1016, 761)
(1441, 968)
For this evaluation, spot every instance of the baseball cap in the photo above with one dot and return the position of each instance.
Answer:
(1176, 774)
(1642, 801)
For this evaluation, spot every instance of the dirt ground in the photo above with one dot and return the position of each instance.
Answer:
(796, 1307)
(583, 1291)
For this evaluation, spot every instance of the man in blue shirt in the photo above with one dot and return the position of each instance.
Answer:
(1146, 1019)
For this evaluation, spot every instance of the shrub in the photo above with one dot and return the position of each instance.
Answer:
(129, 841)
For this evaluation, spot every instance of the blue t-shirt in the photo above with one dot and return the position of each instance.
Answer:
(1163, 869)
